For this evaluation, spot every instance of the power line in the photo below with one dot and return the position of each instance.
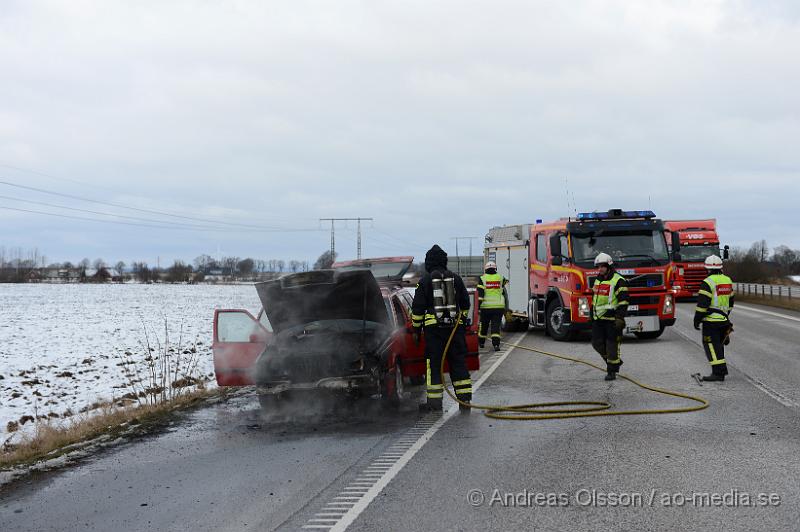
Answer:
(45, 204)
(174, 226)
(148, 211)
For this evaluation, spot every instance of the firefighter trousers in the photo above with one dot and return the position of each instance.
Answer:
(435, 342)
(714, 345)
(606, 340)
(491, 318)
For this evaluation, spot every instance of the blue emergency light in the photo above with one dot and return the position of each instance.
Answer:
(614, 214)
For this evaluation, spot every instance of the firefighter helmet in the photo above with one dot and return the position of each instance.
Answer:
(490, 265)
(603, 258)
(713, 263)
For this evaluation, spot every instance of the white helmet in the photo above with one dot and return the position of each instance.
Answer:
(603, 258)
(490, 265)
(713, 263)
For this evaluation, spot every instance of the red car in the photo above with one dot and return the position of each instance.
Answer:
(347, 329)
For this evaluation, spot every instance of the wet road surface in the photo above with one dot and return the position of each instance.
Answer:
(227, 468)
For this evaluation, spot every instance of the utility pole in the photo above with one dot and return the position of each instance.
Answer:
(458, 257)
(333, 241)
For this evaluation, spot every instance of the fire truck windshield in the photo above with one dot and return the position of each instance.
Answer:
(697, 253)
(633, 248)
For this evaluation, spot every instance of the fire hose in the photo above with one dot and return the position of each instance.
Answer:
(535, 411)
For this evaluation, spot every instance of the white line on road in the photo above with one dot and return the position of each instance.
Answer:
(776, 314)
(782, 399)
(353, 513)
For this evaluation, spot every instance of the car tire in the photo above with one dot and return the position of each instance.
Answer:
(555, 323)
(394, 387)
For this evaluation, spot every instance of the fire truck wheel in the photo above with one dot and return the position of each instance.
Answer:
(556, 322)
(650, 335)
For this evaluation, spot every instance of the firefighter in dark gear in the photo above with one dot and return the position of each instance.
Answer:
(493, 299)
(609, 307)
(435, 314)
(714, 305)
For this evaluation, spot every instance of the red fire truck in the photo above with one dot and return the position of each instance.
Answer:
(691, 241)
(561, 272)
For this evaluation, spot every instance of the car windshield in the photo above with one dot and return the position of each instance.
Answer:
(638, 248)
(697, 253)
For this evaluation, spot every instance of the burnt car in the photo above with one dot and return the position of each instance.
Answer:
(346, 330)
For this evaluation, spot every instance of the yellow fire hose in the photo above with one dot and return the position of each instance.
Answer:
(586, 408)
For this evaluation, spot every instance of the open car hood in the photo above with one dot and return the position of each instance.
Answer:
(301, 298)
(382, 268)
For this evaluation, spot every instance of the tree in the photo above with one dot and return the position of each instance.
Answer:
(246, 266)
(142, 272)
(67, 265)
(230, 263)
(272, 264)
(120, 267)
(179, 272)
(85, 263)
(786, 259)
(294, 265)
(281, 265)
(99, 264)
(325, 260)
(204, 262)
(760, 250)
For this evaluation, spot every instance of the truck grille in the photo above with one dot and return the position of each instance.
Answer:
(647, 280)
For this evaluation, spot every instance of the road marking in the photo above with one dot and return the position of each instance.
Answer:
(782, 399)
(751, 309)
(409, 444)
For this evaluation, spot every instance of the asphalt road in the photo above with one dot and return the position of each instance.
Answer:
(226, 468)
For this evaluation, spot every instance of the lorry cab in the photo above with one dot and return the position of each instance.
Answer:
(691, 242)
(562, 271)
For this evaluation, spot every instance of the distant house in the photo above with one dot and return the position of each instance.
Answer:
(101, 275)
(59, 275)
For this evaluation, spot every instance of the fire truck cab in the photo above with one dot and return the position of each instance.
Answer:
(562, 271)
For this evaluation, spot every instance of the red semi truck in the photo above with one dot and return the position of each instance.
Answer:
(559, 261)
(691, 242)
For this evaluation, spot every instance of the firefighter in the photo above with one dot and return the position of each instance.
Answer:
(609, 307)
(493, 299)
(714, 305)
(429, 315)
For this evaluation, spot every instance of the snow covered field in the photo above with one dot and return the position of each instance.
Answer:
(60, 345)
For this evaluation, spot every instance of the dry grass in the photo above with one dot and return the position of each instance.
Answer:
(50, 440)
(164, 378)
(784, 302)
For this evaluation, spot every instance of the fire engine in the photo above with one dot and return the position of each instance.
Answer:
(555, 294)
(691, 242)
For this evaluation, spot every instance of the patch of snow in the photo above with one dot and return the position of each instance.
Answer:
(61, 344)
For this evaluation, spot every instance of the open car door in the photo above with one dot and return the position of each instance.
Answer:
(238, 340)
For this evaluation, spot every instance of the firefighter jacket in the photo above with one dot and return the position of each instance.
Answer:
(491, 291)
(422, 311)
(610, 300)
(714, 300)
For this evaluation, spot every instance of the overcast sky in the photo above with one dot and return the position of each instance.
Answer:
(438, 119)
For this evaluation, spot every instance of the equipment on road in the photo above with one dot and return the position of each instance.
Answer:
(698, 378)
(537, 411)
